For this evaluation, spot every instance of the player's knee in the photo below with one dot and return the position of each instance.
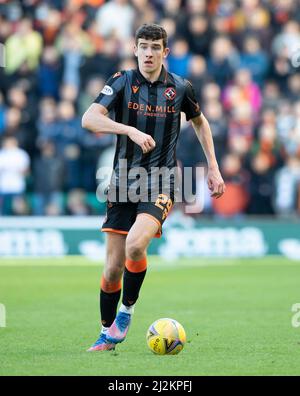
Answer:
(115, 262)
(114, 268)
(135, 249)
(113, 274)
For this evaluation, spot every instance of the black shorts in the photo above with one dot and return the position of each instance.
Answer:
(120, 216)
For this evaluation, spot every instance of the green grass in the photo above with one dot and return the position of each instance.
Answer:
(237, 316)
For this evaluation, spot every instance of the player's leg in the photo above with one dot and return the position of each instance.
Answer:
(118, 221)
(149, 220)
(111, 277)
(138, 239)
(144, 229)
(110, 290)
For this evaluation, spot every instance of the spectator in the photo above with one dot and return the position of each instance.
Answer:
(271, 94)
(214, 113)
(287, 181)
(252, 17)
(268, 144)
(144, 12)
(196, 7)
(285, 126)
(188, 152)
(243, 92)
(122, 26)
(50, 21)
(222, 60)
(46, 123)
(170, 27)
(223, 17)
(280, 71)
(68, 134)
(210, 92)
(197, 74)
(48, 179)
(92, 89)
(241, 128)
(14, 165)
(282, 11)
(179, 58)
(236, 199)
(102, 63)
(199, 34)
(294, 87)
(18, 99)
(13, 125)
(72, 43)
(49, 73)
(171, 9)
(76, 203)
(261, 185)
(287, 41)
(6, 28)
(24, 46)
(254, 59)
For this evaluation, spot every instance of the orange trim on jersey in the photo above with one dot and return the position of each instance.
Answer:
(115, 231)
(157, 235)
(110, 287)
(136, 266)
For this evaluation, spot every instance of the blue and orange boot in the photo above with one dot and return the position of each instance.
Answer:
(118, 330)
(102, 344)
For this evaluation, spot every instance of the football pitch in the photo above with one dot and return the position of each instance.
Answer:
(237, 315)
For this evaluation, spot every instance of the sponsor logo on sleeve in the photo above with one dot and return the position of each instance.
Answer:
(107, 90)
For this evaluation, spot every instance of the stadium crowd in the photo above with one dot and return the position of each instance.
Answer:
(242, 56)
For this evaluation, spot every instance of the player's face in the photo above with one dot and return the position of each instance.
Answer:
(150, 54)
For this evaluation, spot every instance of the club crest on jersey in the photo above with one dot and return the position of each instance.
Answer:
(107, 90)
(170, 93)
(134, 88)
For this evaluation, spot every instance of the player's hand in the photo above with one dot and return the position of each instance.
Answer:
(215, 182)
(145, 141)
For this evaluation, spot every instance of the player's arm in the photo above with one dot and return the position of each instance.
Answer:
(191, 108)
(96, 117)
(214, 179)
(96, 120)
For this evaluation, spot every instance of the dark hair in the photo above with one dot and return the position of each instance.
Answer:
(153, 32)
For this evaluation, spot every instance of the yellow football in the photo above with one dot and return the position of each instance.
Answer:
(166, 337)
